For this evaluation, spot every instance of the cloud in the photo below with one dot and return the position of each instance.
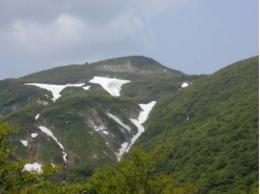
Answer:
(67, 31)
(37, 32)
(33, 36)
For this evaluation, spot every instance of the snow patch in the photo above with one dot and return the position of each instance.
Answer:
(54, 89)
(143, 116)
(184, 85)
(96, 127)
(37, 116)
(147, 108)
(111, 85)
(64, 156)
(122, 150)
(24, 142)
(33, 135)
(117, 120)
(105, 132)
(50, 134)
(86, 87)
(34, 167)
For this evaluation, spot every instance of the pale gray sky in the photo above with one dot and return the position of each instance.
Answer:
(195, 36)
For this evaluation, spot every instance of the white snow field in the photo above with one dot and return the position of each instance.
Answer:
(118, 121)
(33, 135)
(24, 142)
(34, 167)
(184, 85)
(37, 117)
(86, 87)
(143, 116)
(105, 132)
(50, 134)
(54, 89)
(121, 151)
(111, 85)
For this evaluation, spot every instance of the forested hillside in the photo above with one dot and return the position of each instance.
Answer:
(198, 136)
(211, 129)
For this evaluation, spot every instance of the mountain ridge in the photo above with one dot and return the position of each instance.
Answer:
(136, 66)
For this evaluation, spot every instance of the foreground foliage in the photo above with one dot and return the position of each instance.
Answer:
(140, 173)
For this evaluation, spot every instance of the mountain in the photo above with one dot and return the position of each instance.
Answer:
(132, 67)
(211, 130)
(84, 116)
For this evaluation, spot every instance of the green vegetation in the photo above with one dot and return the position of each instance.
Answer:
(207, 132)
(12, 178)
(68, 118)
(140, 173)
(211, 129)
(133, 68)
(14, 95)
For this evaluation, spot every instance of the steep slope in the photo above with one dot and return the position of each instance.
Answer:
(86, 115)
(211, 130)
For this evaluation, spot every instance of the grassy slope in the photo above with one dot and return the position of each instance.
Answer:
(67, 119)
(74, 73)
(211, 129)
(14, 95)
(68, 116)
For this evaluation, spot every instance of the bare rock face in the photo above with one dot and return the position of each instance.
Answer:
(128, 67)
(43, 102)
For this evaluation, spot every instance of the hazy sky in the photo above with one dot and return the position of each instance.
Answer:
(194, 36)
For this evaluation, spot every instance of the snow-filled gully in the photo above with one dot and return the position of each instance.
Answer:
(143, 116)
(49, 133)
(37, 116)
(118, 121)
(37, 167)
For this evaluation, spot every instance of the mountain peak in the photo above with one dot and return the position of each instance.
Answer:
(133, 63)
(128, 67)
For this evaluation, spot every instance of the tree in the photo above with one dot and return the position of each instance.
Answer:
(140, 173)
(12, 178)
